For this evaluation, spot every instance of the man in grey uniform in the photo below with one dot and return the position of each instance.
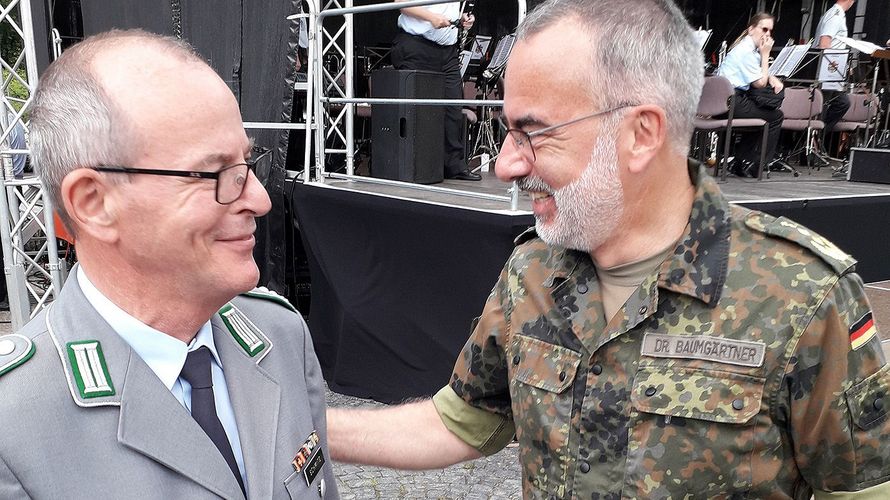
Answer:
(159, 371)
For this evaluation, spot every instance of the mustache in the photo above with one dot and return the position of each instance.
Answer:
(535, 184)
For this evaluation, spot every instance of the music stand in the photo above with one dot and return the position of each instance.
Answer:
(702, 37)
(788, 60)
(818, 66)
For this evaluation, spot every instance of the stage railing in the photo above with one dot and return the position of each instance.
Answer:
(336, 124)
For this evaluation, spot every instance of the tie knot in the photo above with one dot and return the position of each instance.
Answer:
(196, 370)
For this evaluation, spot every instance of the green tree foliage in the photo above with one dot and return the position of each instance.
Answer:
(11, 47)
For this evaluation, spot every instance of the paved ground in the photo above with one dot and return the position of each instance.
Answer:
(492, 478)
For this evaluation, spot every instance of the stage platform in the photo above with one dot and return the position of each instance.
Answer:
(399, 273)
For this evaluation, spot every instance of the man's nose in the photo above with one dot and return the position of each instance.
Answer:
(511, 163)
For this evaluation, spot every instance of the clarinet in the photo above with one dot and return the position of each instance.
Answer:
(469, 5)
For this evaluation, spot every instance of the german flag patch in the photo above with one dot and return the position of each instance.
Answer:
(862, 331)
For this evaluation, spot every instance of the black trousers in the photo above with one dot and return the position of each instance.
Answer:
(750, 143)
(834, 104)
(418, 53)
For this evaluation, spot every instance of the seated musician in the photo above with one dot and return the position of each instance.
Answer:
(747, 68)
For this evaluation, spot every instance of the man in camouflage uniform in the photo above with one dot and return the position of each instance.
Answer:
(648, 340)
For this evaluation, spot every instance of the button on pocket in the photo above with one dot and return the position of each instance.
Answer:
(541, 394)
(696, 411)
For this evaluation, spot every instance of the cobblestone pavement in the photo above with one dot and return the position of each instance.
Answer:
(490, 478)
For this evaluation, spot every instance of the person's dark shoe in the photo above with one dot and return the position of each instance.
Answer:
(466, 175)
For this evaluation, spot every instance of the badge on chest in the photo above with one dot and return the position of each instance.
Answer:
(309, 459)
(703, 347)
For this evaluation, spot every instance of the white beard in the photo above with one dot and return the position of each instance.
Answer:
(588, 209)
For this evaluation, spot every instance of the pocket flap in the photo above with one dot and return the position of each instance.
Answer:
(869, 400)
(690, 393)
(545, 366)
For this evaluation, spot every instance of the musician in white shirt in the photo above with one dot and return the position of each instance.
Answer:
(833, 25)
(428, 41)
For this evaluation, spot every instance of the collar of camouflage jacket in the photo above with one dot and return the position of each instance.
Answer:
(698, 265)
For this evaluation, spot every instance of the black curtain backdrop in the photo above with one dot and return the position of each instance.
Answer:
(252, 47)
(395, 286)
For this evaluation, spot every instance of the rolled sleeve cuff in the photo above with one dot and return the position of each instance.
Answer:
(487, 432)
(879, 492)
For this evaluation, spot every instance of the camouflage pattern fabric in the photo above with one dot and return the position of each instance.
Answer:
(769, 400)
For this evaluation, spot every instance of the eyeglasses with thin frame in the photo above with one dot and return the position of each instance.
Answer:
(523, 139)
(230, 180)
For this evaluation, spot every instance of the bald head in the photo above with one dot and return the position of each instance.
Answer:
(82, 114)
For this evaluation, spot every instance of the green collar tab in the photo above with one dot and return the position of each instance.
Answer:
(90, 370)
(248, 336)
(15, 350)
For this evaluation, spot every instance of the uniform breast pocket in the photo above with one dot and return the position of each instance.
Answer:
(541, 377)
(692, 433)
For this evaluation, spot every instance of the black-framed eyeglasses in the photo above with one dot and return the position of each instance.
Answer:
(230, 180)
(523, 139)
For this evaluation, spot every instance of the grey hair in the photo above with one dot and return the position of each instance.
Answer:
(643, 52)
(75, 123)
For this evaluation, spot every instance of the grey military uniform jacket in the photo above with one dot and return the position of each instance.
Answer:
(131, 438)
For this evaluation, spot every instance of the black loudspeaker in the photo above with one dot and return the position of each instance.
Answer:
(869, 165)
(407, 140)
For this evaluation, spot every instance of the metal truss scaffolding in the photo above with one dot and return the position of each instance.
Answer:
(31, 263)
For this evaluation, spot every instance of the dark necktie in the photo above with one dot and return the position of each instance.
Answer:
(197, 373)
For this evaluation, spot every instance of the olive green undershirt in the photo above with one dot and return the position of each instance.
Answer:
(618, 283)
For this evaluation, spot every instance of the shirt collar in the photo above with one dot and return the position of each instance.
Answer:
(162, 353)
(698, 265)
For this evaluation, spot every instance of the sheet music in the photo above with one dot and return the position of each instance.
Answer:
(788, 60)
(702, 37)
(860, 45)
(464, 57)
(480, 46)
(833, 65)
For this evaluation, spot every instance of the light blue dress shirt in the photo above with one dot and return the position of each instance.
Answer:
(742, 65)
(834, 24)
(442, 36)
(166, 355)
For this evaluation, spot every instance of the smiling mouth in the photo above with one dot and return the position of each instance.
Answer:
(538, 196)
(244, 237)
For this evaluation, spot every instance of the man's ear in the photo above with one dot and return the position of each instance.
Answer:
(90, 202)
(644, 132)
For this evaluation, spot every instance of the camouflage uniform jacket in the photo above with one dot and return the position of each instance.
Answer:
(731, 372)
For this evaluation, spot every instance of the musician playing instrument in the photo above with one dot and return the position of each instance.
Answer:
(833, 25)
(428, 41)
(747, 68)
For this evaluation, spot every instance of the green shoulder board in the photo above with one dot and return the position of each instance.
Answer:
(787, 229)
(15, 350)
(264, 293)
